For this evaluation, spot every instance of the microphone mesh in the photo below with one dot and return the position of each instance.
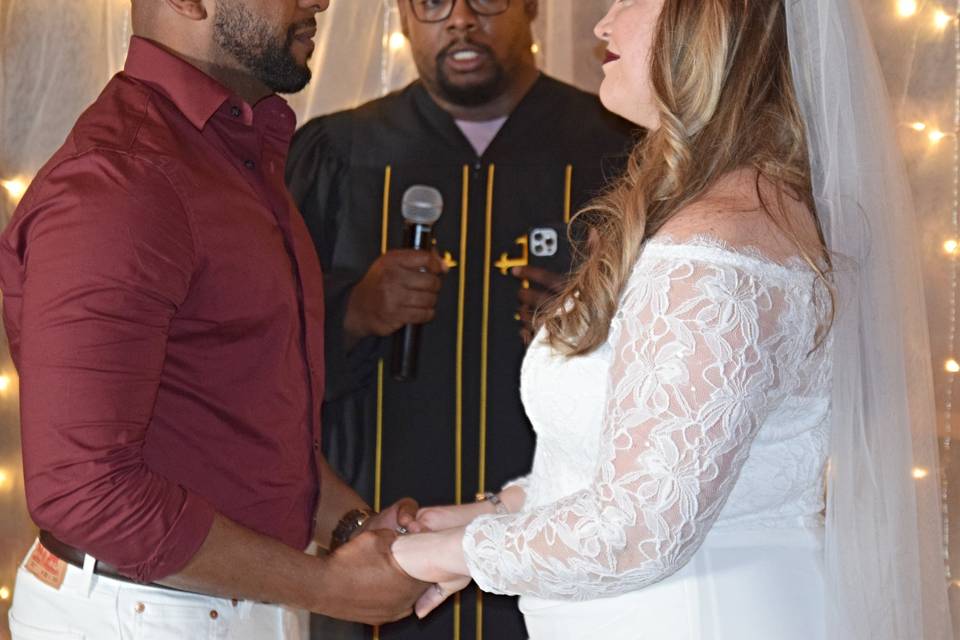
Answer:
(422, 205)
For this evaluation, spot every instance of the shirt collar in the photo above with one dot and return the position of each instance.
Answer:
(195, 94)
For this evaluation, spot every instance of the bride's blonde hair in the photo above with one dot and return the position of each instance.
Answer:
(724, 91)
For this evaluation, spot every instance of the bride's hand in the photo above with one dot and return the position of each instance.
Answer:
(437, 595)
(455, 516)
(449, 517)
(437, 558)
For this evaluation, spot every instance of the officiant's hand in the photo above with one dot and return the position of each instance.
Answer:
(433, 557)
(400, 288)
(546, 284)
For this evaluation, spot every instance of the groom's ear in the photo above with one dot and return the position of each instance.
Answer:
(190, 9)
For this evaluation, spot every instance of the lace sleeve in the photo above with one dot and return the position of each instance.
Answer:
(692, 377)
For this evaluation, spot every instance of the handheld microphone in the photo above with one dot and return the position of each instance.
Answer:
(422, 207)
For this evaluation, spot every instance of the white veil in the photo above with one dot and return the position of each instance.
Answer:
(884, 546)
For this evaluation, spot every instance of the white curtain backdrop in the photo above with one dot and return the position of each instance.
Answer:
(56, 55)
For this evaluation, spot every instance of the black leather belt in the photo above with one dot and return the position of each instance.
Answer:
(74, 556)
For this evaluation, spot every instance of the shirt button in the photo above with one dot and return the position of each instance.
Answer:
(249, 164)
(140, 607)
(236, 112)
(214, 615)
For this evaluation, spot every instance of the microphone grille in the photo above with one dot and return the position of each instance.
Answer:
(422, 205)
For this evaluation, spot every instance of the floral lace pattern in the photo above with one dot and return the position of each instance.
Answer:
(707, 405)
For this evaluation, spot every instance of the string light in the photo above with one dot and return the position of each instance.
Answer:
(936, 136)
(4, 593)
(6, 480)
(535, 48)
(952, 366)
(920, 473)
(951, 247)
(397, 41)
(918, 126)
(15, 188)
(906, 8)
(942, 19)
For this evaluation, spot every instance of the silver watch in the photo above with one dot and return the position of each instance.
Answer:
(494, 499)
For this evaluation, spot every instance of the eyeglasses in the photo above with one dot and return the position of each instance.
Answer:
(441, 10)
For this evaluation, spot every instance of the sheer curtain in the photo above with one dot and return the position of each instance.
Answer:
(56, 55)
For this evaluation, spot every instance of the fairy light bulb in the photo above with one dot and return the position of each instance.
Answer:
(936, 136)
(4, 593)
(942, 19)
(397, 41)
(918, 126)
(951, 246)
(919, 473)
(15, 188)
(906, 8)
(952, 366)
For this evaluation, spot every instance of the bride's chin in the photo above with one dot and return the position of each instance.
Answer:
(628, 109)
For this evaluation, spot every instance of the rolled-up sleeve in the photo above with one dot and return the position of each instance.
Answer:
(92, 275)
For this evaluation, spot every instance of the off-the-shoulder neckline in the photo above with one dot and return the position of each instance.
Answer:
(713, 248)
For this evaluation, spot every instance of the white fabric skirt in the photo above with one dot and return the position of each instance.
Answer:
(754, 585)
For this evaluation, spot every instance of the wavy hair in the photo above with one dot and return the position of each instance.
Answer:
(724, 91)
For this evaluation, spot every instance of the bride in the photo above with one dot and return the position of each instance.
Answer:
(725, 335)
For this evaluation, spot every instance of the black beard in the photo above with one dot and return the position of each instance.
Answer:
(254, 45)
(472, 96)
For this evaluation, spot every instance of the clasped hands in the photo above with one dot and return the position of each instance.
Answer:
(428, 547)
(432, 551)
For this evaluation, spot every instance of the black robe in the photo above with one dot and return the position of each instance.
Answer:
(459, 427)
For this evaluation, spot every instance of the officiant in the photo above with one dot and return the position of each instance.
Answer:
(514, 154)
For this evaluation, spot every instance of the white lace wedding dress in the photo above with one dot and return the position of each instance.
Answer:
(677, 485)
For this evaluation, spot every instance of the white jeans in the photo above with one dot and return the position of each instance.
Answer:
(92, 607)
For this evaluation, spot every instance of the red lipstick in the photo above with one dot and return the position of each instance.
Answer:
(610, 57)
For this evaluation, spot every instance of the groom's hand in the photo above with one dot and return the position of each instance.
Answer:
(399, 517)
(363, 582)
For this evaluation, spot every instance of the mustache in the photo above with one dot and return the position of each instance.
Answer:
(303, 25)
(463, 41)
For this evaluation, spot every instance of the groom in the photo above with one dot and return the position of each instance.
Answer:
(164, 308)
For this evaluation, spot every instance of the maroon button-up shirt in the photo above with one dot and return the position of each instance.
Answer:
(163, 304)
